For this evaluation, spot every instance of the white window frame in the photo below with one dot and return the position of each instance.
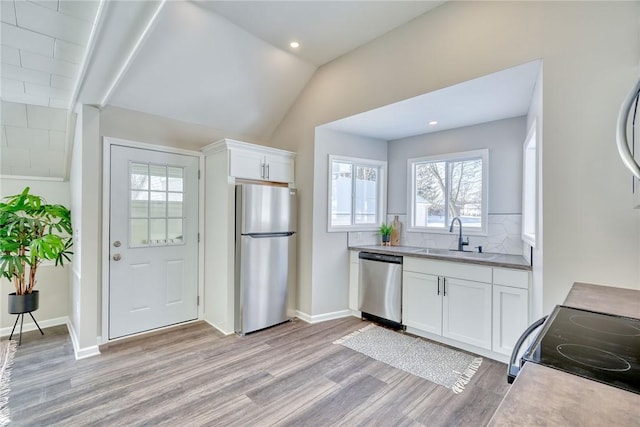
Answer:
(411, 163)
(381, 197)
(530, 186)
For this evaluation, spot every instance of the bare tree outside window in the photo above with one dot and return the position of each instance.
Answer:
(444, 189)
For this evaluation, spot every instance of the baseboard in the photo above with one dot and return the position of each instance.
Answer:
(81, 353)
(30, 326)
(323, 317)
(219, 329)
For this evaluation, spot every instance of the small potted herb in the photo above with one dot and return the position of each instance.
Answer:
(385, 232)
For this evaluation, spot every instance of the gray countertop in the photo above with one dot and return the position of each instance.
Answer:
(490, 260)
(544, 396)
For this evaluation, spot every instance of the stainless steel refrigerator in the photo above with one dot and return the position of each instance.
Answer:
(265, 255)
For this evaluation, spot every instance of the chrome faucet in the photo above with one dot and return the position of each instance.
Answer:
(461, 243)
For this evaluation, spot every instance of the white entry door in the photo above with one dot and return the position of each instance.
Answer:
(153, 267)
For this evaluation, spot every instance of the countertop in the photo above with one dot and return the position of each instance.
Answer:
(544, 396)
(491, 260)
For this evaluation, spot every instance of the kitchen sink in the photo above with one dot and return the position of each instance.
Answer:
(457, 254)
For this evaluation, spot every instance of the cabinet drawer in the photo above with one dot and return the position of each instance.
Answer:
(458, 270)
(513, 278)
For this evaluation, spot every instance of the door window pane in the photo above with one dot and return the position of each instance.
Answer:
(175, 176)
(158, 231)
(158, 208)
(174, 230)
(139, 232)
(139, 176)
(175, 205)
(158, 177)
(139, 204)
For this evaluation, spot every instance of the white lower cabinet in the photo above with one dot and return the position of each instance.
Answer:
(466, 311)
(510, 317)
(422, 302)
(454, 308)
(479, 306)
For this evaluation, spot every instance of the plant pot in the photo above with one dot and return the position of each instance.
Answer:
(24, 303)
(385, 240)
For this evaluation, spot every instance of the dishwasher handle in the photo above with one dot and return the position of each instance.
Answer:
(370, 256)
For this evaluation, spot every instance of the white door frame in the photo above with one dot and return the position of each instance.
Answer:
(107, 142)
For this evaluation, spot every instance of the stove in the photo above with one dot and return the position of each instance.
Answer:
(598, 346)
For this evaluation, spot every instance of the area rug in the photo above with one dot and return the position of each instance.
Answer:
(7, 351)
(436, 363)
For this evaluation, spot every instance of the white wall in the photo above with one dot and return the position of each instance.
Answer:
(504, 140)
(142, 127)
(85, 181)
(536, 255)
(330, 281)
(52, 282)
(591, 57)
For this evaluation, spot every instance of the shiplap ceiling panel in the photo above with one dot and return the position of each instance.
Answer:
(10, 55)
(46, 118)
(43, 45)
(8, 12)
(14, 114)
(26, 40)
(43, 20)
(69, 52)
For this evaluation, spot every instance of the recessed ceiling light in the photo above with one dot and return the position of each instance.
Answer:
(294, 45)
(433, 122)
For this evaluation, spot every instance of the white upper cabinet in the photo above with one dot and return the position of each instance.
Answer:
(256, 162)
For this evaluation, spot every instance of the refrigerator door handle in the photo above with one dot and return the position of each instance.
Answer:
(513, 369)
(267, 235)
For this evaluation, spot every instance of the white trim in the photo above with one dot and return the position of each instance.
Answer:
(318, 318)
(226, 144)
(81, 353)
(33, 178)
(132, 55)
(219, 329)
(381, 193)
(107, 142)
(481, 153)
(30, 326)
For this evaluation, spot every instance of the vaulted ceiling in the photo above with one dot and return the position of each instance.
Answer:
(224, 65)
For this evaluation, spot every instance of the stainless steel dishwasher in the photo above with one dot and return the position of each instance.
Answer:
(381, 287)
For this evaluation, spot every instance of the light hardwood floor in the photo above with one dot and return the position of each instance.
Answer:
(288, 375)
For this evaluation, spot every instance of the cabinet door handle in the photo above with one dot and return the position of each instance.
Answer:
(444, 286)
(438, 285)
(262, 171)
(268, 171)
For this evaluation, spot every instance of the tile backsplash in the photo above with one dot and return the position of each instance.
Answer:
(504, 236)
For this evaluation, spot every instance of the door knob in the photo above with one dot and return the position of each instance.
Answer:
(117, 257)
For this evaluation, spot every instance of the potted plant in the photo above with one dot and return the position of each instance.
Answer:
(385, 232)
(31, 231)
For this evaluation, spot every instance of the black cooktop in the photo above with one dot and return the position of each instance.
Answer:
(597, 346)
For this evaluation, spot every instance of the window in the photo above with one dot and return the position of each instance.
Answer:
(447, 186)
(356, 193)
(529, 187)
(155, 204)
